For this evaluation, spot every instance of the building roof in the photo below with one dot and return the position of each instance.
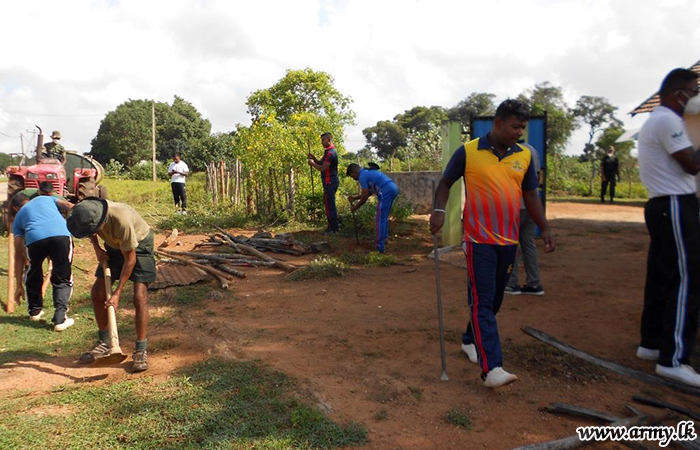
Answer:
(653, 101)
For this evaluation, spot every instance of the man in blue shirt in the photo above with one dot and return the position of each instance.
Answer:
(39, 226)
(328, 166)
(375, 182)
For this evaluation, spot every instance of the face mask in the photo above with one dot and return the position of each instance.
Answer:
(693, 105)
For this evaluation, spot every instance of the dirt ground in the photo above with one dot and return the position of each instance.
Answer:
(365, 347)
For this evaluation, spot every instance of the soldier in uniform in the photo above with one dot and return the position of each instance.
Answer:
(54, 149)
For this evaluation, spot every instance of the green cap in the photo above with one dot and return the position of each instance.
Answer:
(85, 218)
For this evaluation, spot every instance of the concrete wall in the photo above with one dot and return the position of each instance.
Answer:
(417, 188)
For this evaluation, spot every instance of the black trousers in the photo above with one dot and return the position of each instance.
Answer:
(179, 194)
(604, 188)
(59, 249)
(672, 290)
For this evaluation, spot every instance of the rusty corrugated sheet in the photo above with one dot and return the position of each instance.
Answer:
(653, 101)
(176, 275)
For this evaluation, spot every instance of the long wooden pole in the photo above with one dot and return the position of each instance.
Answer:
(153, 136)
(10, 271)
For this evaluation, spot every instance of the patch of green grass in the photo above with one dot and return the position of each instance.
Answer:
(321, 268)
(20, 338)
(216, 404)
(458, 417)
(373, 259)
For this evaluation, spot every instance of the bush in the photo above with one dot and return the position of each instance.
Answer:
(114, 169)
(144, 171)
(319, 269)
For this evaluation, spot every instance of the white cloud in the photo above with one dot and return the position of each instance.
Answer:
(66, 64)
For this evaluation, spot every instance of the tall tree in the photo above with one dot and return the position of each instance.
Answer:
(125, 133)
(598, 114)
(180, 127)
(289, 117)
(307, 100)
(423, 126)
(476, 104)
(387, 138)
(545, 97)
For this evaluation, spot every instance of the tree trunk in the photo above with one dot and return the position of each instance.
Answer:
(593, 173)
(248, 195)
(292, 192)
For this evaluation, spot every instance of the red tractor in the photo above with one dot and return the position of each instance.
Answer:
(73, 176)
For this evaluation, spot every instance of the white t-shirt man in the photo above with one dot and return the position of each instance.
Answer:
(181, 168)
(662, 135)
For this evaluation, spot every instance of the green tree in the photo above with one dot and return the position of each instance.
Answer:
(125, 134)
(598, 114)
(180, 128)
(387, 138)
(288, 119)
(476, 104)
(423, 126)
(545, 97)
(307, 100)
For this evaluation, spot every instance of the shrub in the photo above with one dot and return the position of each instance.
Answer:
(319, 269)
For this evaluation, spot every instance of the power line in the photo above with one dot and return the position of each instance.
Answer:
(7, 135)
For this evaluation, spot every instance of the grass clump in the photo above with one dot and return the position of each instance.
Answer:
(373, 259)
(216, 404)
(321, 268)
(459, 418)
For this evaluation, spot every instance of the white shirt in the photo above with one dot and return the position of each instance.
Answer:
(178, 167)
(662, 135)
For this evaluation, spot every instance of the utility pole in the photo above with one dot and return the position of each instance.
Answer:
(153, 133)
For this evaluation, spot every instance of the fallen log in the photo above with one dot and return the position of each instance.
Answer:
(580, 411)
(243, 248)
(574, 441)
(230, 270)
(219, 257)
(221, 276)
(661, 404)
(586, 413)
(611, 365)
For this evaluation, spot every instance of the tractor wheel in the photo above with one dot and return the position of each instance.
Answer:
(86, 188)
(15, 184)
(102, 192)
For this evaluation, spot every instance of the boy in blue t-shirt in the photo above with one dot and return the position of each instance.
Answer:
(377, 183)
(39, 226)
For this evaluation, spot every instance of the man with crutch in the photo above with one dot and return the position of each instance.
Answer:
(497, 172)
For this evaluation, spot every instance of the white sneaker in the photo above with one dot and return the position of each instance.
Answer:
(37, 317)
(184, 213)
(683, 373)
(470, 350)
(62, 326)
(498, 377)
(647, 354)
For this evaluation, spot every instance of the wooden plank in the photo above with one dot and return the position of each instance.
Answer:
(661, 404)
(611, 365)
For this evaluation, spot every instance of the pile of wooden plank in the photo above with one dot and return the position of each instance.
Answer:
(235, 252)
